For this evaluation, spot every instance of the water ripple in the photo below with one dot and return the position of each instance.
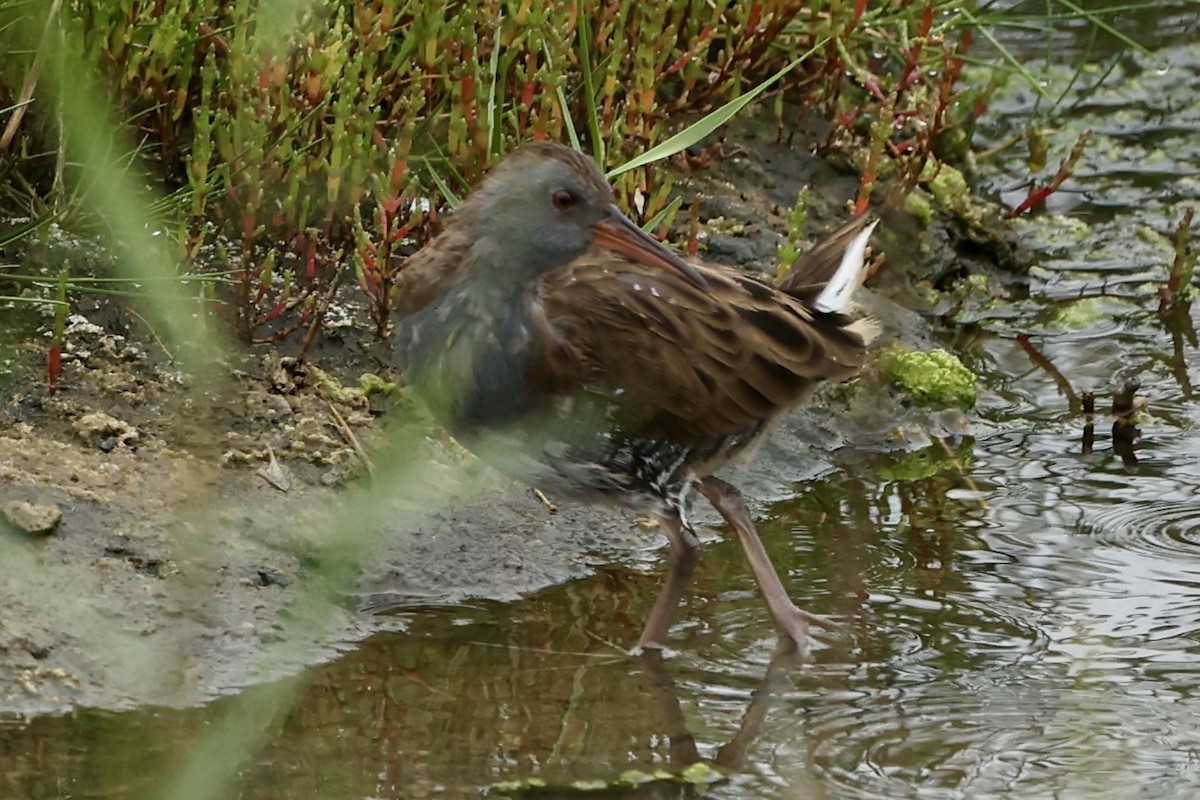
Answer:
(983, 735)
(1162, 527)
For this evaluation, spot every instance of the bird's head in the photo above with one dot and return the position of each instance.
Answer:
(545, 205)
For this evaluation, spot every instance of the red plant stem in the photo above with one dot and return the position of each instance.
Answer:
(927, 20)
(53, 366)
(274, 313)
(860, 7)
(310, 262)
(753, 18)
(1064, 171)
(468, 99)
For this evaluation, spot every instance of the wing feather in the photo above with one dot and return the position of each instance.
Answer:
(696, 365)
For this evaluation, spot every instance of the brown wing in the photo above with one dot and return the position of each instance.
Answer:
(687, 363)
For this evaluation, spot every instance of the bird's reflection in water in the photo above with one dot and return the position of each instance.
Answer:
(689, 773)
(686, 771)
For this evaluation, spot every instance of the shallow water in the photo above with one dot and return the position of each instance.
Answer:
(1021, 617)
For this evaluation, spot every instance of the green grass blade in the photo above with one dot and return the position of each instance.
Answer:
(563, 108)
(703, 127)
(1019, 68)
(494, 72)
(1095, 20)
(668, 209)
(26, 229)
(589, 85)
(570, 123)
(34, 301)
(452, 200)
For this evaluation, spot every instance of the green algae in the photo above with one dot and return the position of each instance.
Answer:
(933, 378)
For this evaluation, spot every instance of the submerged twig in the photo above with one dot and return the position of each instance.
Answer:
(1064, 385)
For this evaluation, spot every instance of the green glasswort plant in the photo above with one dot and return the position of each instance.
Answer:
(282, 133)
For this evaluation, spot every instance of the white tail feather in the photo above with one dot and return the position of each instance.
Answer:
(835, 297)
(867, 329)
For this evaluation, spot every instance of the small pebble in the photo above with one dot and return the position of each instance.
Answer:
(39, 520)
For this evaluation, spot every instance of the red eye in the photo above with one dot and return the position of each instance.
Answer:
(563, 199)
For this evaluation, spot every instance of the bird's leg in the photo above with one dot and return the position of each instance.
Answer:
(790, 620)
(685, 552)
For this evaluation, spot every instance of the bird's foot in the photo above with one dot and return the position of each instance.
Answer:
(793, 623)
(647, 648)
(819, 620)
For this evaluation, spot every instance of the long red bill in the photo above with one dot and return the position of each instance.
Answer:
(617, 233)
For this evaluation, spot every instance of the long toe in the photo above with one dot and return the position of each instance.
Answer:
(794, 624)
(818, 620)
